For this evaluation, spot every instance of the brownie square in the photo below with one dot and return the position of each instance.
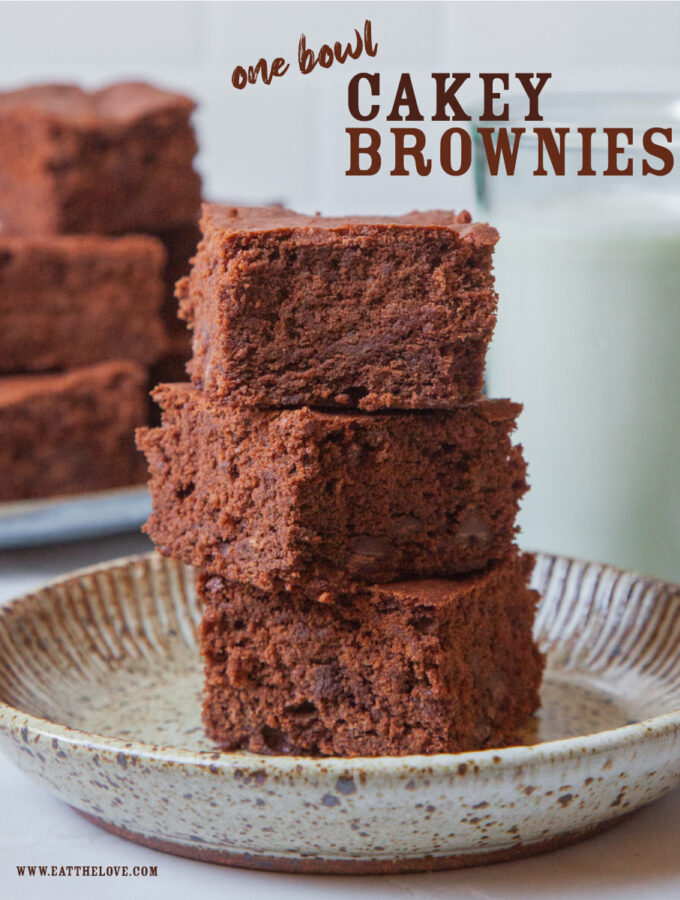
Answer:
(291, 310)
(309, 499)
(71, 432)
(438, 666)
(70, 301)
(113, 160)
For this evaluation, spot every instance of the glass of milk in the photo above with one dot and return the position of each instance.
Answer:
(588, 338)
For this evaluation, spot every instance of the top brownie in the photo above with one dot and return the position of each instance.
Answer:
(109, 161)
(367, 312)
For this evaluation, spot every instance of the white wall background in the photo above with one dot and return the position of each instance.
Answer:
(286, 141)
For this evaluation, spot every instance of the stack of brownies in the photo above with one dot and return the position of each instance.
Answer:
(347, 492)
(84, 297)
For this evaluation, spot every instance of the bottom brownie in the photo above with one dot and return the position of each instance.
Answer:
(430, 666)
(71, 432)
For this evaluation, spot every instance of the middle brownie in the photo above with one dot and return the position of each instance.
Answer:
(314, 500)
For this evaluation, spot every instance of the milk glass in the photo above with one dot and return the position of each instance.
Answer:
(588, 338)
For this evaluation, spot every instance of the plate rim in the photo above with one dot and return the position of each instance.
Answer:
(12, 509)
(491, 759)
(40, 521)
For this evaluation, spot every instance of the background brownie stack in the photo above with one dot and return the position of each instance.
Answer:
(349, 495)
(84, 313)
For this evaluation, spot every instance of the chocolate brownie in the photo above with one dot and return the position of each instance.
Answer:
(285, 498)
(437, 666)
(114, 160)
(291, 310)
(70, 301)
(71, 432)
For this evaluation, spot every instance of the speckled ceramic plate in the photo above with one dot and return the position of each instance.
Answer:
(28, 523)
(100, 682)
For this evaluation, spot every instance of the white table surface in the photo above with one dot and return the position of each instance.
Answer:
(638, 859)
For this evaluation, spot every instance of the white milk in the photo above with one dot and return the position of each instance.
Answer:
(588, 338)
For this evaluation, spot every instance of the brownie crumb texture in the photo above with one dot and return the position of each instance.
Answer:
(431, 666)
(291, 310)
(318, 501)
